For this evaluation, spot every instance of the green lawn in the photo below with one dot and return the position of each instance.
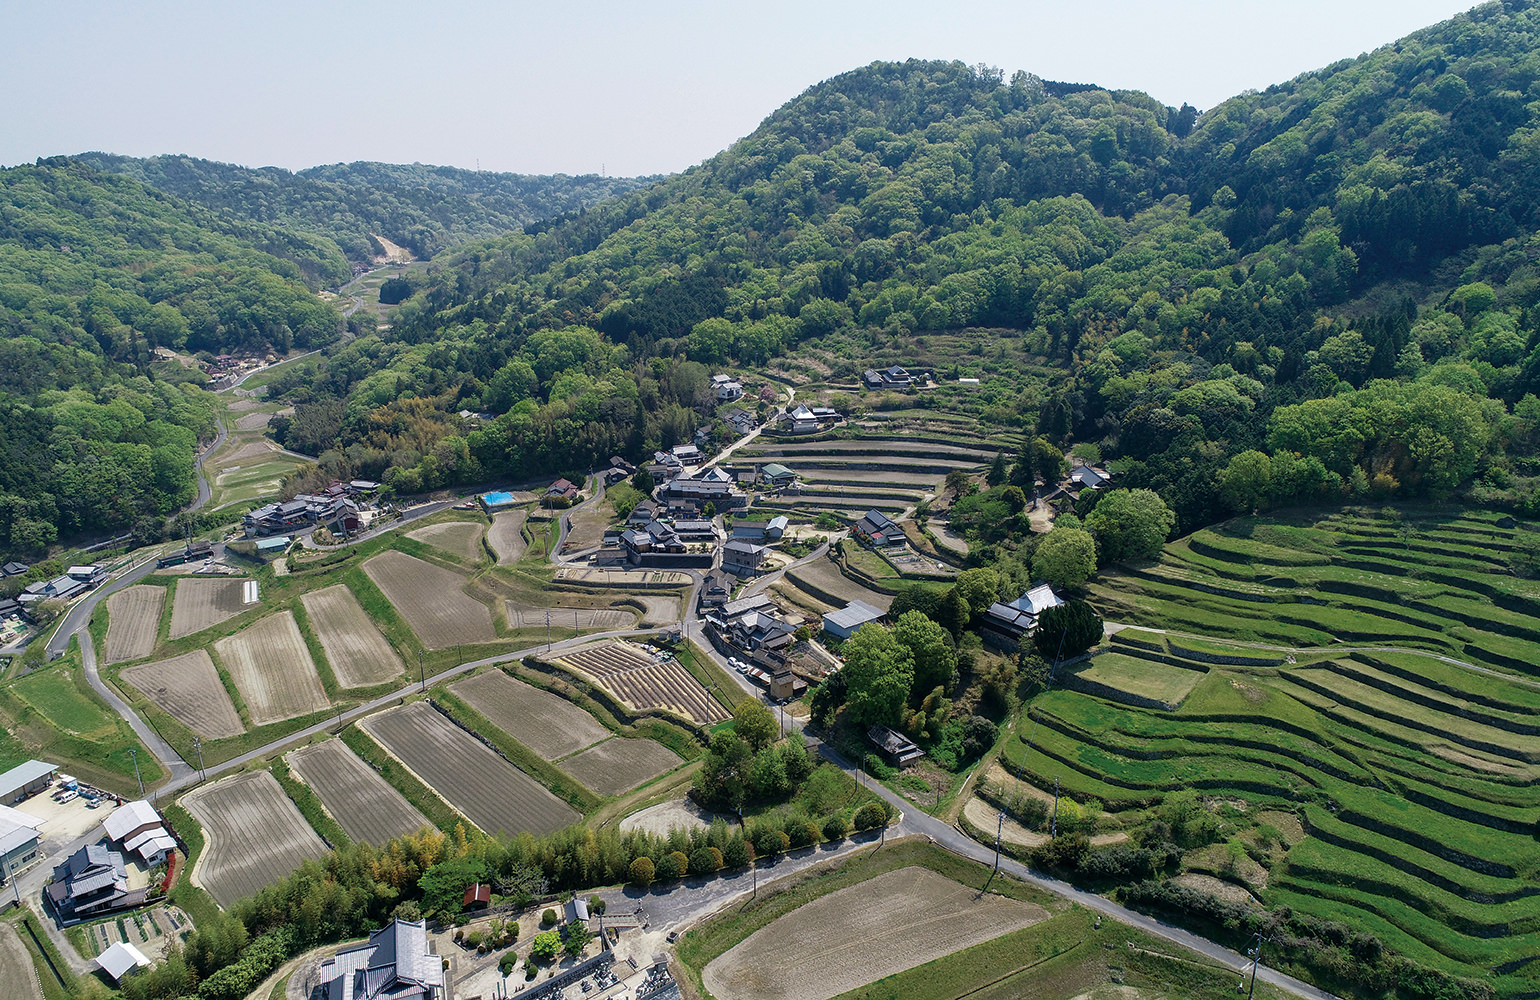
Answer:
(56, 694)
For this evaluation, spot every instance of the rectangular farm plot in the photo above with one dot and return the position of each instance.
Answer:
(255, 835)
(133, 618)
(521, 616)
(272, 669)
(548, 724)
(362, 802)
(459, 538)
(355, 648)
(858, 935)
(1141, 678)
(643, 682)
(188, 688)
(203, 603)
(485, 788)
(431, 599)
(619, 765)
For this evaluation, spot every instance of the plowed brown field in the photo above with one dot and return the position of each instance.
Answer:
(546, 723)
(357, 652)
(619, 765)
(272, 669)
(202, 603)
(431, 599)
(189, 689)
(255, 835)
(361, 801)
(133, 618)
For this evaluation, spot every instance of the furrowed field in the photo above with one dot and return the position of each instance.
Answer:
(188, 688)
(255, 835)
(486, 789)
(133, 616)
(1415, 775)
(361, 802)
(431, 599)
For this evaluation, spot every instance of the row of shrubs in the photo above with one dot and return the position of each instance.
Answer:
(765, 838)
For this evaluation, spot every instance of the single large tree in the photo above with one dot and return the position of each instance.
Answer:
(755, 724)
(879, 674)
(1130, 525)
(1065, 558)
(1067, 630)
(931, 646)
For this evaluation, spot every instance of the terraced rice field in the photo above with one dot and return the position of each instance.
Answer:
(133, 618)
(1120, 676)
(882, 469)
(431, 599)
(1418, 778)
(619, 765)
(482, 786)
(272, 669)
(524, 616)
(361, 801)
(643, 682)
(252, 421)
(823, 580)
(359, 655)
(506, 536)
(458, 538)
(255, 835)
(203, 602)
(188, 688)
(860, 934)
(548, 724)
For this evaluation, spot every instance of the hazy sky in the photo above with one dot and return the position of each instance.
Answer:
(632, 88)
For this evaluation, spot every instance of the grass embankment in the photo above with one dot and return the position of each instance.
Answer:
(1417, 779)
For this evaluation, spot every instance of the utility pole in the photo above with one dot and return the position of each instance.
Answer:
(198, 746)
(547, 630)
(134, 753)
(1054, 829)
(422, 677)
(1256, 957)
(999, 832)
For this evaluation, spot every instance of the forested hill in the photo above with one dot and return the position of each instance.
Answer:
(96, 271)
(1331, 283)
(422, 208)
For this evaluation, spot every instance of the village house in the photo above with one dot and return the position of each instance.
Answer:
(563, 489)
(726, 388)
(396, 963)
(646, 510)
(713, 486)
(1089, 477)
(1008, 624)
(191, 552)
(743, 558)
(761, 531)
(876, 528)
(688, 454)
(14, 569)
(138, 829)
(894, 378)
(777, 476)
(715, 590)
(898, 749)
(800, 420)
(90, 882)
(741, 420)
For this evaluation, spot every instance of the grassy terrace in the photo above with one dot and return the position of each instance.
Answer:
(1417, 778)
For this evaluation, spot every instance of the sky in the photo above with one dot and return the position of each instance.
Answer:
(618, 88)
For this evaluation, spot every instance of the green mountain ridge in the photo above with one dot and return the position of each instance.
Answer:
(423, 208)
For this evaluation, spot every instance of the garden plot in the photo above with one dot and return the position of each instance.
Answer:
(361, 801)
(479, 784)
(252, 421)
(203, 603)
(642, 681)
(255, 835)
(524, 616)
(548, 724)
(133, 618)
(619, 765)
(431, 599)
(188, 688)
(506, 536)
(357, 652)
(458, 538)
(272, 669)
(858, 935)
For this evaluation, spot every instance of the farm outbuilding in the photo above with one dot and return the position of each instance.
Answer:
(120, 960)
(26, 780)
(895, 746)
(843, 623)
